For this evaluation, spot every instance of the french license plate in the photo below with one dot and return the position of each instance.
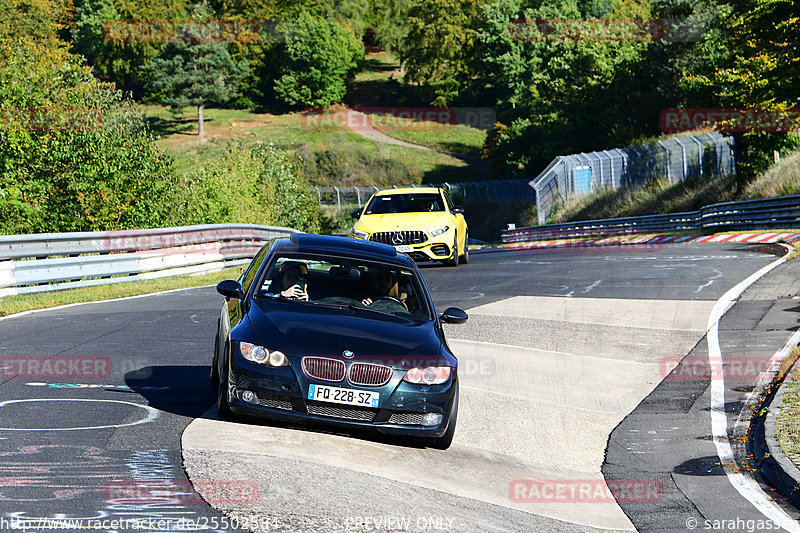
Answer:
(404, 248)
(323, 393)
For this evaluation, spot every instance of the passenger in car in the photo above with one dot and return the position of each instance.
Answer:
(292, 281)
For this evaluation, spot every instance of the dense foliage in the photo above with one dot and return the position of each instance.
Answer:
(255, 184)
(76, 154)
(318, 58)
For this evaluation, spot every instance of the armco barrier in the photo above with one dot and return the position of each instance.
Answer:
(768, 213)
(52, 261)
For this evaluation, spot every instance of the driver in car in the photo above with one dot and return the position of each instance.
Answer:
(381, 285)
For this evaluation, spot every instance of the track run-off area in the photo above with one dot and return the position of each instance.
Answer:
(566, 421)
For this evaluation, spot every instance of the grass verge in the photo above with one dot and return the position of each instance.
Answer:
(659, 196)
(43, 300)
(788, 422)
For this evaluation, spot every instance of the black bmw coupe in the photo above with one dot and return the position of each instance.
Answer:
(339, 331)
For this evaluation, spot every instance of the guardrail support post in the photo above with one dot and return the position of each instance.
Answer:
(700, 157)
(338, 198)
(358, 194)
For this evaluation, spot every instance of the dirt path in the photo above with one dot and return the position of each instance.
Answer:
(360, 123)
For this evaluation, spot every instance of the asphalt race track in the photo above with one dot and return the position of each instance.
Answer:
(562, 368)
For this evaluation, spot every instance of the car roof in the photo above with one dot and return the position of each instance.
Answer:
(342, 246)
(408, 190)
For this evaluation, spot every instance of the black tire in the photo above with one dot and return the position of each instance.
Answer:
(465, 255)
(444, 442)
(214, 375)
(223, 408)
(453, 261)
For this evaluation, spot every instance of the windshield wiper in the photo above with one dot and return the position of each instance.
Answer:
(354, 307)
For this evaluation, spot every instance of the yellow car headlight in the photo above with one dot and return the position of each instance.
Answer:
(358, 234)
(439, 231)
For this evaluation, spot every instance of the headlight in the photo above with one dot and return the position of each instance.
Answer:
(439, 231)
(358, 234)
(432, 375)
(259, 354)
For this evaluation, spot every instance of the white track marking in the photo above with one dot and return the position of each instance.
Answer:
(581, 356)
(152, 414)
(746, 486)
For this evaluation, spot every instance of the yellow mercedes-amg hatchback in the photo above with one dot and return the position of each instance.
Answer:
(419, 221)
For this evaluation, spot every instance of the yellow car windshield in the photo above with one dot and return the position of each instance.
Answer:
(405, 203)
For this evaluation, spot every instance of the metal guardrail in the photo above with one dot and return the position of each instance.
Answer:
(52, 261)
(677, 159)
(768, 213)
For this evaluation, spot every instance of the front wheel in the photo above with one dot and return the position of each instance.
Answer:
(453, 261)
(223, 408)
(465, 255)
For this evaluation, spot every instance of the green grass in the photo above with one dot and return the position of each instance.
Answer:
(43, 300)
(659, 196)
(780, 180)
(453, 138)
(294, 133)
(788, 422)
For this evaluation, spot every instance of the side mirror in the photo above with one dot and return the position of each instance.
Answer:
(457, 209)
(454, 315)
(231, 289)
(356, 214)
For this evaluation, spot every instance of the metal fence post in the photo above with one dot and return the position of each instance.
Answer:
(358, 194)
(669, 160)
(683, 153)
(319, 196)
(700, 148)
(338, 198)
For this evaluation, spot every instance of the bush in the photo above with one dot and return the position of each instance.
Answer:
(250, 184)
(347, 166)
(74, 155)
(318, 59)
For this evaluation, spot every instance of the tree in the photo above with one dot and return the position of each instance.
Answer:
(756, 66)
(440, 47)
(195, 72)
(74, 154)
(318, 59)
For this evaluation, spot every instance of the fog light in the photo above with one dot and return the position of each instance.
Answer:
(249, 396)
(432, 419)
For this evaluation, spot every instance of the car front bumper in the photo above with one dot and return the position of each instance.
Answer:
(283, 396)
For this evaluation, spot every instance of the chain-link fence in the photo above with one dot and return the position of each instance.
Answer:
(677, 159)
(500, 191)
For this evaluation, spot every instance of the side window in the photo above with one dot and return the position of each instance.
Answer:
(448, 201)
(255, 266)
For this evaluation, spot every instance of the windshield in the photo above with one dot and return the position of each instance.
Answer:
(347, 283)
(405, 203)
